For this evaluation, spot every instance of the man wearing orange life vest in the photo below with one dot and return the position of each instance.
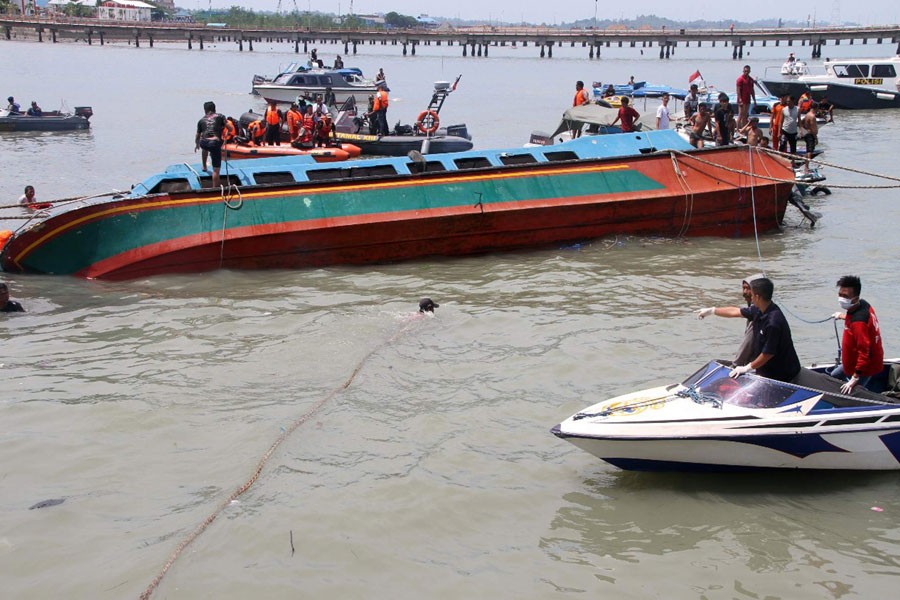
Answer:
(294, 120)
(323, 130)
(307, 125)
(581, 97)
(257, 132)
(230, 131)
(775, 123)
(273, 124)
(379, 109)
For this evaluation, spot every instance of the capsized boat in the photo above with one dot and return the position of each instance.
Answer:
(48, 121)
(295, 213)
(713, 422)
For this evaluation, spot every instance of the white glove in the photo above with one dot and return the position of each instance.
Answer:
(738, 371)
(838, 316)
(706, 312)
(847, 388)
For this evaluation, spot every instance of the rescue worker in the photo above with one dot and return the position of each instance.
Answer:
(307, 129)
(274, 119)
(324, 128)
(294, 119)
(379, 109)
(257, 132)
(229, 134)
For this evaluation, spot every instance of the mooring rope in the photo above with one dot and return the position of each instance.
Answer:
(263, 460)
(688, 197)
(62, 200)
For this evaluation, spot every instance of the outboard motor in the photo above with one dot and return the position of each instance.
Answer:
(459, 131)
(84, 111)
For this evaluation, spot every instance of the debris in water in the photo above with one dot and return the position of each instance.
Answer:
(46, 503)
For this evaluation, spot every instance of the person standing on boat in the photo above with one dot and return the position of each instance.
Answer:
(7, 305)
(724, 121)
(581, 97)
(662, 113)
(692, 102)
(627, 115)
(379, 76)
(274, 119)
(862, 353)
(13, 107)
(773, 345)
(209, 138)
(701, 124)
(379, 109)
(809, 131)
(294, 119)
(338, 63)
(28, 198)
(34, 110)
(752, 131)
(746, 93)
(790, 126)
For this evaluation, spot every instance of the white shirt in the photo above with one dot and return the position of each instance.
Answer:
(24, 199)
(662, 116)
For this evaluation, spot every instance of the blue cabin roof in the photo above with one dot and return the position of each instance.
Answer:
(291, 169)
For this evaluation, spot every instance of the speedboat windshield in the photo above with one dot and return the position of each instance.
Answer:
(713, 381)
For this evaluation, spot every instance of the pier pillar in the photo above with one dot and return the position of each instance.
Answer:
(40, 33)
(150, 37)
(543, 52)
(734, 53)
(354, 48)
(714, 43)
(297, 46)
(550, 50)
(240, 44)
(346, 47)
(250, 44)
(851, 41)
(479, 49)
(190, 46)
(102, 39)
(591, 53)
(414, 44)
(201, 42)
(865, 41)
(8, 31)
(465, 47)
(790, 42)
(486, 46)
(837, 42)
(620, 43)
(667, 50)
(661, 52)
(525, 44)
(137, 40)
(90, 41)
(53, 34)
(404, 49)
(699, 43)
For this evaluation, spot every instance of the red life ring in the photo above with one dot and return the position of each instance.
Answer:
(425, 117)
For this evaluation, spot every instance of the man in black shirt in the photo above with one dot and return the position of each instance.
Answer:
(772, 342)
(209, 138)
(7, 305)
(724, 121)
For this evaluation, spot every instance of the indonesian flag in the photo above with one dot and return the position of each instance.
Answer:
(455, 83)
(697, 78)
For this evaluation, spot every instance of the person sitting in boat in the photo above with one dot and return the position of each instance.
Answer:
(379, 76)
(701, 125)
(824, 110)
(805, 102)
(324, 130)
(257, 132)
(34, 110)
(610, 91)
(773, 345)
(7, 305)
(862, 353)
(294, 120)
(752, 132)
(230, 132)
(764, 142)
(209, 138)
(307, 130)
(627, 115)
(338, 63)
(13, 107)
(28, 198)
(274, 119)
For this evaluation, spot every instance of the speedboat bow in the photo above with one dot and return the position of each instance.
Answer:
(711, 422)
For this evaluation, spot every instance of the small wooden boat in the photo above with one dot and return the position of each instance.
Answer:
(291, 212)
(322, 155)
(48, 121)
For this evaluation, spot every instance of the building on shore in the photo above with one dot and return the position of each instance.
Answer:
(124, 10)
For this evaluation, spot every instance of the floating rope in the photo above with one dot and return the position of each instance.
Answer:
(262, 463)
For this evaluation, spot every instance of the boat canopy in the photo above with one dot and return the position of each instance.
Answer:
(594, 116)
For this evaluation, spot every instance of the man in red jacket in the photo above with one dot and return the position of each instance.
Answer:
(862, 354)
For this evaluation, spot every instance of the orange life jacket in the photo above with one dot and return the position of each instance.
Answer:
(381, 100)
(272, 116)
(257, 130)
(580, 98)
(309, 126)
(294, 120)
(229, 133)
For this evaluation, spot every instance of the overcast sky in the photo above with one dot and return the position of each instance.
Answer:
(870, 12)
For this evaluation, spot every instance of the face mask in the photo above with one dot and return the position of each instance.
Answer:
(845, 303)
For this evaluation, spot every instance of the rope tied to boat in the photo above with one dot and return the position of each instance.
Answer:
(265, 459)
(700, 397)
(622, 408)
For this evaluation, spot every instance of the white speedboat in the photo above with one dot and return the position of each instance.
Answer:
(853, 84)
(342, 83)
(712, 422)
